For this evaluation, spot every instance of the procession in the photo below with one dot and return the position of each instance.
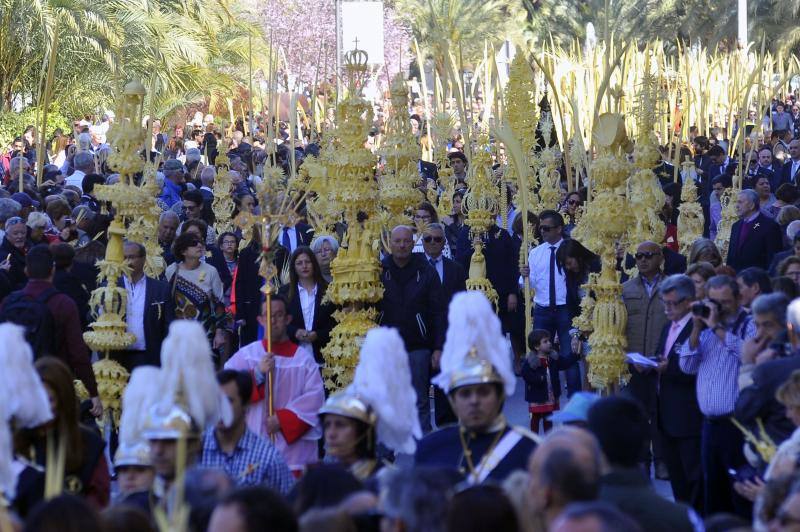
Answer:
(421, 266)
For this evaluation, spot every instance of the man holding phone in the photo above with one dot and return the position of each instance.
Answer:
(713, 353)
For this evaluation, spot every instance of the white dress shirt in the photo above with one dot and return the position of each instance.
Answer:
(539, 263)
(307, 301)
(292, 231)
(438, 264)
(134, 312)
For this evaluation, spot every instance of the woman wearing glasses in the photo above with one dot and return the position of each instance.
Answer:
(197, 288)
(572, 203)
(12, 252)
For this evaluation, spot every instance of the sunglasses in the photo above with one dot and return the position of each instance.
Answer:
(546, 228)
(429, 239)
(196, 243)
(647, 255)
(573, 202)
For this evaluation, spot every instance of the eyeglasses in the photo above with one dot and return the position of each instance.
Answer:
(429, 239)
(672, 304)
(647, 255)
(573, 202)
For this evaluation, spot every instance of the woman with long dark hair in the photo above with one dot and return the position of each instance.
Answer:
(312, 320)
(577, 262)
(85, 468)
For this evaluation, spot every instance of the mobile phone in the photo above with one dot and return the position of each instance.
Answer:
(701, 309)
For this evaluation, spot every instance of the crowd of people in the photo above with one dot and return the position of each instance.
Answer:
(418, 442)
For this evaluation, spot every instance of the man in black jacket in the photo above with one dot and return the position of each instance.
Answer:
(150, 310)
(413, 303)
(755, 238)
(679, 418)
(454, 279)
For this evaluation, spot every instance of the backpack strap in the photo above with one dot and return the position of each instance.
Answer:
(45, 296)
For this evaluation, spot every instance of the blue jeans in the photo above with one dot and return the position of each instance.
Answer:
(557, 321)
(419, 361)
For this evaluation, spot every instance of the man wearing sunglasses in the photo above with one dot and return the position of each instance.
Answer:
(548, 279)
(454, 279)
(646, 319)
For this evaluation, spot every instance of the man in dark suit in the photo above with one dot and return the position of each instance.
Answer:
(679, 418)
(772, 366)
(149, 311)
(790, 171)
(755, 238)
(454, 279)
(289, 238)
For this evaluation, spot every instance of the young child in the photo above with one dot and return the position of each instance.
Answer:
(539, 370)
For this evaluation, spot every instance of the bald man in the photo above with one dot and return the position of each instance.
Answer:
(564, 468)
(646, 319)
(413, 301)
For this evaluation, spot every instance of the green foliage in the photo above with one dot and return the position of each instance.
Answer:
(13, 124)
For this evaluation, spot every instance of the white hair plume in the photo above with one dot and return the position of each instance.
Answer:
(137, 400)
(383, 379)
(473, 323)
(8, 480)
(188, 370)
(24, 394)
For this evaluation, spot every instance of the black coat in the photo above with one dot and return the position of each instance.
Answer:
(304, 235)
(248, 294)
(16, 275)
(776, 261)
(323, 319)
(501, 270)
(69, 283)
(536, 380)
(758, 399)
(679, 415)
(159, 312)
(217, 260)
(786, 174)
(454, 279)
(413, 302)
(761, 244)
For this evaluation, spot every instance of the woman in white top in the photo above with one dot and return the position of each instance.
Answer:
(197, 288)
(312, 319)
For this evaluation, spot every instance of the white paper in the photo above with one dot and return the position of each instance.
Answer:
(641, 360)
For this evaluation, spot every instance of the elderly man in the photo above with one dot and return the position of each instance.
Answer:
(150, 309)
(790, 171)
(645, 321)
(207, 176)
(767, 363)
(167, 228)
(755, 238)
(413, 303)
(9, 208)
(713, 353)
(565, 468)
(174, 179)
(84, 164)
(453, 278)
(679, 417)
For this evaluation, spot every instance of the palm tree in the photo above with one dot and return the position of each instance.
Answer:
(460, 27)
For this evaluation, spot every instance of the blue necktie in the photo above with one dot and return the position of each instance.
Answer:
(285, 240)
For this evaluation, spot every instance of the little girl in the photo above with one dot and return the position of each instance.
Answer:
(539, 371)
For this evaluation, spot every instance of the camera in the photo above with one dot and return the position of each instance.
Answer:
(701, 309)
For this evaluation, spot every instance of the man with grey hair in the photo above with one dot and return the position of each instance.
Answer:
(679, 418)
(413, 303)
(755, 238)
(8, 209)
(84, 164)
(207, 176)
(167, 229)
(415, 500)
(713, 353)
(773, 356)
